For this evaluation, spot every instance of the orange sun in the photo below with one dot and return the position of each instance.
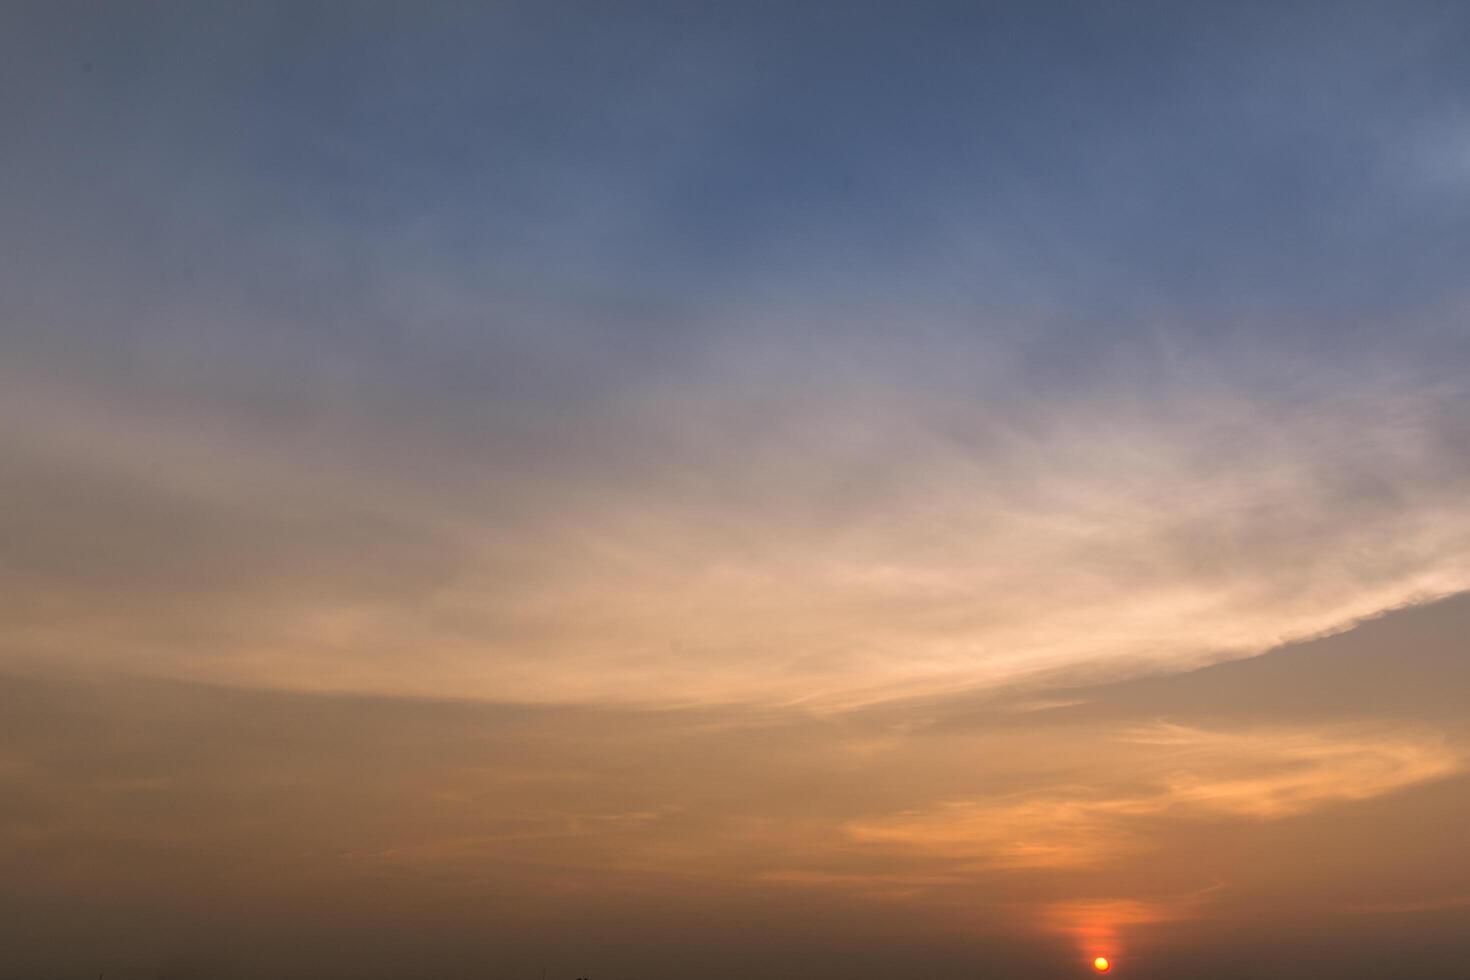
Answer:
(1102, 964)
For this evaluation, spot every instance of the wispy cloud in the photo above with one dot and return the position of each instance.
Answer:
(852, 546)
(1187, 773)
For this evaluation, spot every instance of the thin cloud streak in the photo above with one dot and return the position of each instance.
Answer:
(1190, 774)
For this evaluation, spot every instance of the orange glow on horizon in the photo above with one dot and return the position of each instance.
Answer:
(1102, 964)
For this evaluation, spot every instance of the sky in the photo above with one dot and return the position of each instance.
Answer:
(800, 489)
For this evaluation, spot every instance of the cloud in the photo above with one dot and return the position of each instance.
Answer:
(955, 821)
(603, 388)
(801, 531)
(1187, 774)
(590, 480)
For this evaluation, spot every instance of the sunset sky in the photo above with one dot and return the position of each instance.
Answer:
(734, 489)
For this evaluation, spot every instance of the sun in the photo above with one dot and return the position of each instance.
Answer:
(1102, 964)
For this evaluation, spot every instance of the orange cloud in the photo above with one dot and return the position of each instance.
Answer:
(1191, 773)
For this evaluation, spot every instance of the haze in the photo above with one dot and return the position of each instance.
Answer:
(802, 490)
